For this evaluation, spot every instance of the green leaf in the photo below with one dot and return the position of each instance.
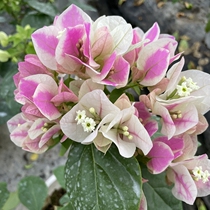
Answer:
(59, 173)
(83, 6)
(32, 192)
(64, 199)
(4, 194)
(207, 28)
(158, 193)
(44, 8)
(12, 201)
(67, 207)
(115, 94)
(65, 146)
(36, 20)
(97, 181)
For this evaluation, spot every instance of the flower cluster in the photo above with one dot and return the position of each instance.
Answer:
(105, 83)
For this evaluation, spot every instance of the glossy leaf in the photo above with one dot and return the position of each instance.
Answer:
(102, 181)
(44, 8)
(158, 193)
(32, 192)
(59, 173)
(4, 194)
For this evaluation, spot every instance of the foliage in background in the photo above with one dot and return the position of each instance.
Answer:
(22, 17)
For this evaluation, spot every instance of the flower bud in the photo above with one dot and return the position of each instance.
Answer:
(4, 56)
(3, 39)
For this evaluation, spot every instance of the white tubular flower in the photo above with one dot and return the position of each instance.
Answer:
(198, 173)
(183, 89)
(81, 115)
(88, 124)
(205, 176)
(191, 84)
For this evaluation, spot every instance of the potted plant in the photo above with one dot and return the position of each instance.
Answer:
(116, 98)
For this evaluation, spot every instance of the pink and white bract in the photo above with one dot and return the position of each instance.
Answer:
(85, 85)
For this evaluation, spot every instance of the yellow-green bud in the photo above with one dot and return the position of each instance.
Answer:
(3, 39)
(4, 56)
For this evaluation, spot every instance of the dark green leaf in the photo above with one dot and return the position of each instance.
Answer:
(115, 94)
(64, 199)
(158, 193)
(207, 28)
(12, 201)
(4, 194)
(65, 146)
(32, 192)
(36, 20)
(83, 6)
(97, 181)
(44, 8)
(59, 173)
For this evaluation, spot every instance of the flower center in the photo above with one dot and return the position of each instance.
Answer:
(199, 174)
(125, 132)
(183, 88)
(88, 123)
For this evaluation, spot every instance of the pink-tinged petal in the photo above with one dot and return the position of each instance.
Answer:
(132, 55)
(203, 81)
(173, 74)
(143, 202)
(176, 144)
(33, 146)
(184, 186)
(126, 149)
(188, 120)
(96, 99)
(20, 134)
(102, 43)
(153, 33)
(88, 86)
(161, 156)
(68, 45)
(190, 147)
(168, 127)
(31, 112)
(48, 135)
(119, 75)
(45, 42)
(98, 76)
(15, 121)
(143, 112)
(151, 126)
(36, 128)
(70, 128)
(153, 61)
(123, 102)
(141, 137)
(72, 17)
(64, 97)
(42, 99)
(26, 90)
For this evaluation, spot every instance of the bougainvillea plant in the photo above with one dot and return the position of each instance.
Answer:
(118, 100)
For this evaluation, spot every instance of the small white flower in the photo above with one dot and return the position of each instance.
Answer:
(81, 115)
(198, 172)
(88, 124)
(191, 84)
(183, 89)
(205, 176)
